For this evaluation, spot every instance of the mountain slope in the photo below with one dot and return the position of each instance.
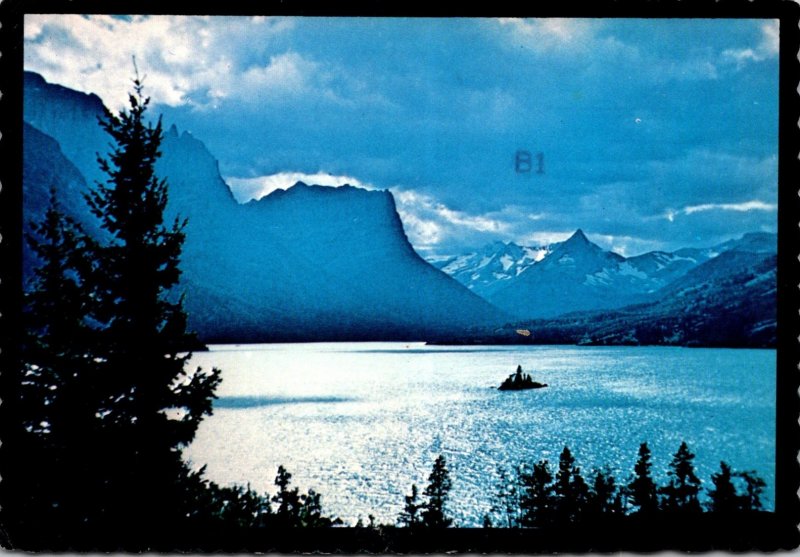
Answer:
(576, 275)
(45, 168)
(308, 263)
(728, 301)
(485, 271)
(720, 303)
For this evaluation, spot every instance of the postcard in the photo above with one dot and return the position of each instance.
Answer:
(296, 281)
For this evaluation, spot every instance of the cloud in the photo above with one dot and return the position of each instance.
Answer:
(430, 224)
(185, 60)
(692, 69)
(546, 237)
(767, 48)
(551, 34)
(637, 118)
(424, 234)
(745, 207)
(285, 73)
(702, 176)
(245, 189)
(770, 39)
(626, 246)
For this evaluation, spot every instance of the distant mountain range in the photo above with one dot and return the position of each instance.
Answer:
(318, 263)
(580, 294)
(577, 275)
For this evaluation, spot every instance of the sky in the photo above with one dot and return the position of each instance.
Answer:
(651, 134)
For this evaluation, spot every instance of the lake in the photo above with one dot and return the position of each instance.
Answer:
(360, 422)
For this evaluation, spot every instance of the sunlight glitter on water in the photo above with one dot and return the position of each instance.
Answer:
(359, 422)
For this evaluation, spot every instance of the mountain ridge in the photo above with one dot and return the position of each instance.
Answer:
(288, 267)
(647, 273)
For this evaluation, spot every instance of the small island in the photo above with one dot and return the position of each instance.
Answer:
(519, 382)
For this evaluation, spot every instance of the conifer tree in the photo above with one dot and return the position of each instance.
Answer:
(642, 489)
(236, 506)
(287, 500)
(151, 405)
(684, 485)
(55, 415)
(537, 499)
(410, 516)
(570, 489)
(437, 492)
(754, 489)
(310, 513)
(723, 498)
(55, 352)
(604, 498)
(507, 499)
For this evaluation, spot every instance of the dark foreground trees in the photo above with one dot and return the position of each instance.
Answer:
(549, 499)
(104, 401)
(108, 401)
(642, 490)
(432, 513)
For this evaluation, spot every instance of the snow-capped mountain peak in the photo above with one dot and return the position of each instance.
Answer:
(577, 274)
(486, 269)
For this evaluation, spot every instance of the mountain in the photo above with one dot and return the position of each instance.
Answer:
(576, 275)
(484, 271)
(69, 117)
(306, 263)
(727, 301)
(755, 242)
(664, 267)
(46, 168)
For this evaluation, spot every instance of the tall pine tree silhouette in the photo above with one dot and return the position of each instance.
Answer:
(410, 516)
(641, 490)
(680, 495)
(723, 498)
(570, 489)
(537, 500)
(151, 404)
(56, 414)
(438, 492)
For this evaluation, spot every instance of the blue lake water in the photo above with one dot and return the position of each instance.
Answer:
(361, 422)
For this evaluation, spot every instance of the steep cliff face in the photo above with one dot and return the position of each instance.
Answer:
(307, 263)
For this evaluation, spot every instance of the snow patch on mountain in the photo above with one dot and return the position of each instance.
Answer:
(484, 270)
(578, 275)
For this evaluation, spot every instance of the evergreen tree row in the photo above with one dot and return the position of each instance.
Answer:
(538, 496)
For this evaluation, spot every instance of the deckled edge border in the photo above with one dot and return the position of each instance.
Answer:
(788, 355)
